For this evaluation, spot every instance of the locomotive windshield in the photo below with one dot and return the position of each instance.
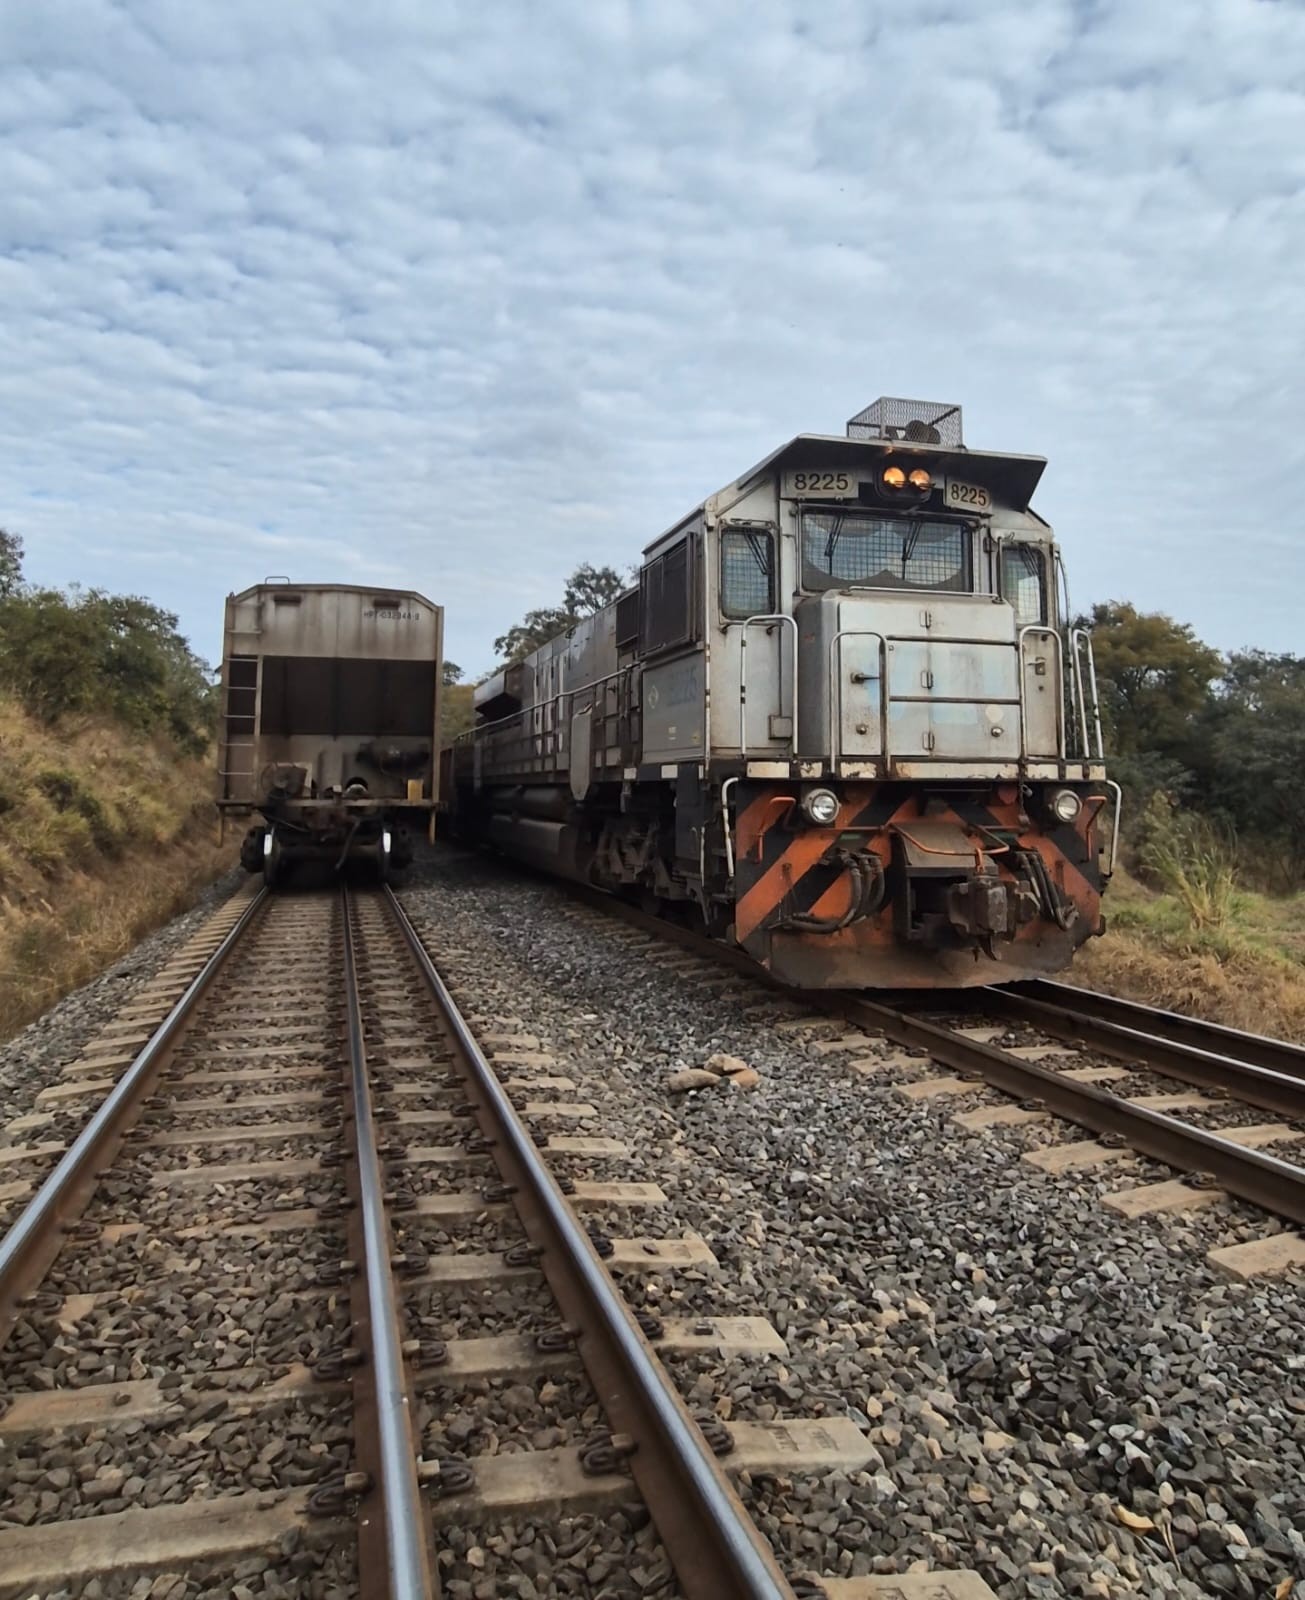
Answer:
(881, 552)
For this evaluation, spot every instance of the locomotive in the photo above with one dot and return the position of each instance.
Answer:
(330, 723)
(842, 721)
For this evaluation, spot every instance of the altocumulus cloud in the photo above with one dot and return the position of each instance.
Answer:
(461, 294)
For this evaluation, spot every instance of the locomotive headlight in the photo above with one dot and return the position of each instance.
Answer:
(1064, 804)
(893, 478)
(820, 806)
(921, 480)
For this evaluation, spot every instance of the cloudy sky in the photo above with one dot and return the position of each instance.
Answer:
(459, 295)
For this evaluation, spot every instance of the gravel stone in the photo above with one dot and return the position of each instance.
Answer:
(1023, 1361)
(33, 1058)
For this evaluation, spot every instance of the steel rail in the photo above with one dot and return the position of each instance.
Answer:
(1255, 1049)
(1275, 1185)
(35, 1238)
(714, 1547)
(409, 1574)
(1138, 1045)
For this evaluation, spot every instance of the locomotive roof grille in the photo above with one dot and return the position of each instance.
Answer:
(911, 421)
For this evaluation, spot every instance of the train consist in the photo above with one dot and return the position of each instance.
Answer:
(842, 721)
(330, 723)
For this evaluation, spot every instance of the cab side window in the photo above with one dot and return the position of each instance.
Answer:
(747, 572)
(1024, 582)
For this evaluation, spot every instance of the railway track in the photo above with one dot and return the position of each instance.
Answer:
(315, 1241)
(1054, 1068)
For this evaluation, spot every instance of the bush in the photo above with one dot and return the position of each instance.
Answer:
(66, 792)
(1188, 857)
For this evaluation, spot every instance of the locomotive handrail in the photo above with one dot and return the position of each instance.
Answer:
(725, 790)
(539, 705)
(1081, 638)
(1051, 633)
(1114, 834)
(1080, 709)
(769, 619)
(836, 693)
(1078, 638)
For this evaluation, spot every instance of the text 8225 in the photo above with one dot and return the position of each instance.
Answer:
(823, 484)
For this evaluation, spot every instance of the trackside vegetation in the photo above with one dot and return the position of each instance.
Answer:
(106, 719)
(1208, 916)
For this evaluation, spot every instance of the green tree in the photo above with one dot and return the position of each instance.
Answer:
(1254, 742)
(1154, 675)
(451, 673)
(49, 653)
(11, 564)
(457, 711)
(119, 654)
(588, 589)
(536, 628)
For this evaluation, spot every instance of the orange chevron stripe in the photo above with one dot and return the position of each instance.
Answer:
(756, 903)
(761, 899)
(748, 824)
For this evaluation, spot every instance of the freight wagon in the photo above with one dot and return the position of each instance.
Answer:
(330, 720)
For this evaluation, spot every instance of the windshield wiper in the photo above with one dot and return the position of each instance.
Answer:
(914, 528)
(835, 533)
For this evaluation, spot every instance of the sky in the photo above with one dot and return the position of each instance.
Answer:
(457, 296)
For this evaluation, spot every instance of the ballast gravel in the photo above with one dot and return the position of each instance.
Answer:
(32, 1059)
(1067, 1401)
(295, 1571)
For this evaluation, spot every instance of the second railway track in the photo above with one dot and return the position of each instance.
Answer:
(1056, 1051)
(264, 1303)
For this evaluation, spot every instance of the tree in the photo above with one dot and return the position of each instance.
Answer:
(1254, 737)
(118, 654)
(1154, 675)
(452, 672)
(11, 564)
(537, 628)
(457, 711)
(588, 590)
(49, 653)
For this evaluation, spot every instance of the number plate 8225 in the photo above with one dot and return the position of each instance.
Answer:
(961, 496)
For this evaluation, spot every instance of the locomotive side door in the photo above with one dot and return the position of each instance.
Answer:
(1025, 587)
(767, 642)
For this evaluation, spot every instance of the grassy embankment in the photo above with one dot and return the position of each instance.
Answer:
(104, 834)
(1239, 960)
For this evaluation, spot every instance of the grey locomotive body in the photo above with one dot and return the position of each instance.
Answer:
(843, 716)
(330, 722)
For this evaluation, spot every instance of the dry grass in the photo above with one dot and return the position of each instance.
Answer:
(102, 837)
(1248, 972)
